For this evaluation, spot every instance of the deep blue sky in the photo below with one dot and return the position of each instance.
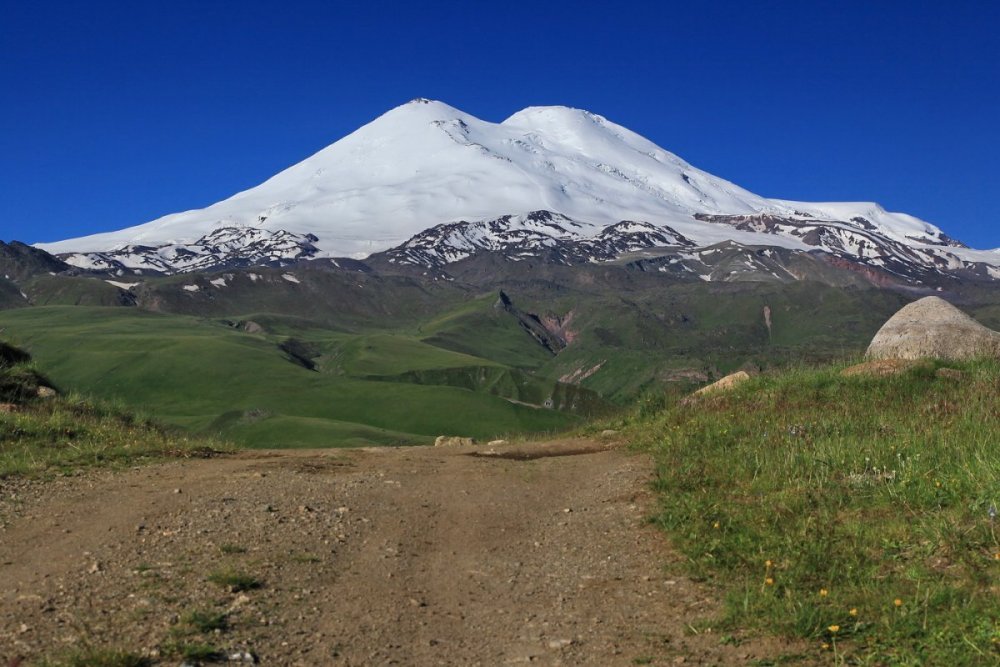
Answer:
(116, 113)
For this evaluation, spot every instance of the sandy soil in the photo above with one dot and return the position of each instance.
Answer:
(412, 556)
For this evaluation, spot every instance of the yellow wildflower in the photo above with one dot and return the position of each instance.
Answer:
(716, 524)
(769, 581)
(767, 563)
(898, 602)
(853, 611)
(834, 628)
(823, 592)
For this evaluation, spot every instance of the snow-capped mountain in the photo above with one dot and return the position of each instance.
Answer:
(225, 246)
(432, 184)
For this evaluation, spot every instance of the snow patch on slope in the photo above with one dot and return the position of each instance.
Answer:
(121, 285)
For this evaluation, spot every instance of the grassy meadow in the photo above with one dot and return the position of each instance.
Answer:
(858, 513)
(215, 379)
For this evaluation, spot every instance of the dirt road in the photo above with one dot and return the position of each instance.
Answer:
(412, 556)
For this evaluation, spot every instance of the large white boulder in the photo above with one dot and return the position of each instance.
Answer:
(933, 328)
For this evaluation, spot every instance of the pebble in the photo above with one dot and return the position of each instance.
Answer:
(243, 656)
(240, 600)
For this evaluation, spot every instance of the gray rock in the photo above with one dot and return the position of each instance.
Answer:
(933, 328)
(452, 441)
(725, 384)
(244, 656)
(252, 327)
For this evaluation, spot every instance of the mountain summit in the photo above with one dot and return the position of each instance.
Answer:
(426, 163)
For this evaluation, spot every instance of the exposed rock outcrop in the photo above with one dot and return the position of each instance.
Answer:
(880, 367)
(533, 325)
(725, 384)
(933, 328)
(452, 441)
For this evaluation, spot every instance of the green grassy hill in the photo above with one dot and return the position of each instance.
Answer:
(857, 512)
(42, 432)
(47, 290)
(386, 359)
(479, 328)
(651, 334)
(214, 378)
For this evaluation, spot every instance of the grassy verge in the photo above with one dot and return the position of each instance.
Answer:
(98, 658)
(58, 436)
(42, 432)
(857, 512)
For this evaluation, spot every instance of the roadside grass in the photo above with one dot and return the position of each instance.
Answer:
(60, 435)
(857, 512)
(304, 558)
(187, 637)
(232, 549)
(98, 658)
(206, 621)
(235, 581)
(193, 651)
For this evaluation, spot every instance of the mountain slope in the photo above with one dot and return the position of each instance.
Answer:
(426, 164)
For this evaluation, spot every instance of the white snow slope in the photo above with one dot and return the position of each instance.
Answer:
(425, 163)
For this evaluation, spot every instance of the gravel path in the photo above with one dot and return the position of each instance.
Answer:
(411, 556)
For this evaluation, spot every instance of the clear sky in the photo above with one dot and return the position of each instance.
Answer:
(114, 114)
